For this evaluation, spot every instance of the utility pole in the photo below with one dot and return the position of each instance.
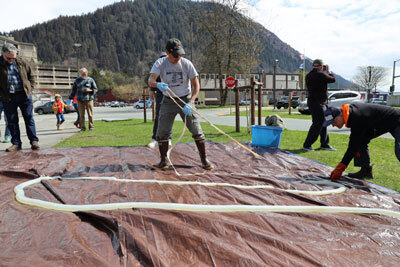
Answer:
(369, 83)
(274, 89)
(394, 76)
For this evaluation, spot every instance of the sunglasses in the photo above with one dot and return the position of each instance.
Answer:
(9, 58)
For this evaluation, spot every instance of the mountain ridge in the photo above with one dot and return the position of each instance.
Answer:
(127, 36)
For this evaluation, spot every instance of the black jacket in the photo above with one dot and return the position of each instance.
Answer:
(317, 86)
(27, 78)
(368, 121)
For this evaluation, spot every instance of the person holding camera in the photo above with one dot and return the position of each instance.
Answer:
(317, 87)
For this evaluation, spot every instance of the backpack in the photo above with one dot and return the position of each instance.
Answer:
(274, 120)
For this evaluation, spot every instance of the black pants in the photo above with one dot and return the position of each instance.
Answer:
(362, 158)
(316, 129)
(159, 98)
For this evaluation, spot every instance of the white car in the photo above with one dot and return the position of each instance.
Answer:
(378, 101)
(247, 102)
(335, 99)
(140, 104)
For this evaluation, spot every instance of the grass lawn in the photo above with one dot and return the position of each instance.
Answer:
(283, 113)
(137, 133)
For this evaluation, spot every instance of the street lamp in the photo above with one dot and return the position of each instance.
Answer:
(274, 86)
(77, 46)
(394, 73)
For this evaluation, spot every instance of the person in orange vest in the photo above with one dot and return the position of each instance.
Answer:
(58, 108)
(366, 122)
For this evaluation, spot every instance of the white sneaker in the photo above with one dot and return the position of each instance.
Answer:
(169, 142)
(153, 143)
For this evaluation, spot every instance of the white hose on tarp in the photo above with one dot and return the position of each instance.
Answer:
(20, 196)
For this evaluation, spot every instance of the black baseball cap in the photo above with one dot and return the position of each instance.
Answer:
(330, 114)
(174, 46)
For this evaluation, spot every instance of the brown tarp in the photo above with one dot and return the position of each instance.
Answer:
(31, 236)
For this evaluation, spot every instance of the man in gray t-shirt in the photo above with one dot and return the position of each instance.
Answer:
(177, 75)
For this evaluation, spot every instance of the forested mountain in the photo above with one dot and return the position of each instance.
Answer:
(128, 36)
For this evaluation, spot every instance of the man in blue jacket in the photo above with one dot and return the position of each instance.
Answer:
(85, 88)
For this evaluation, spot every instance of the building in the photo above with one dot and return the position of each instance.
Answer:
(284, 83)
(26, 50)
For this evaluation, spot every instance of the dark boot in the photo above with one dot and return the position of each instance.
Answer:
(202, 152)
(364, 173)
(163, 147)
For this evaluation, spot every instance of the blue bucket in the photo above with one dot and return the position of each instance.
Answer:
(266, 136)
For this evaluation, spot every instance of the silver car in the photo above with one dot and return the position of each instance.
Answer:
(335, 99)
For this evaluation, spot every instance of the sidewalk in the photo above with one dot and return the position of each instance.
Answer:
(46, 130)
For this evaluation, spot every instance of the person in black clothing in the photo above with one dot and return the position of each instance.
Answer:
(366, 121)
(317, 85)
(156, 94)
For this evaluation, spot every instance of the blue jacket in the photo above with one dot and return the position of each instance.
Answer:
(81, 84)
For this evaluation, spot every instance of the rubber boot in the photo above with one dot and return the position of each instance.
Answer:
(163, 148)
(202, 152)
(365, 172)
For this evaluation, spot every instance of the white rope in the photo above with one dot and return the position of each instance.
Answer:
(169, 92)
(20, 196)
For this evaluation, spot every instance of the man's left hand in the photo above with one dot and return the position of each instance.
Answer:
(187, 109)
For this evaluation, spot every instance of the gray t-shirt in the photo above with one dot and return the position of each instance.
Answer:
(177, 76)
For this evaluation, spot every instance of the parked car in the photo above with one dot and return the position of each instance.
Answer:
(140, 104)
(48, 108)
(303, 108)
(378, 101)
(336, 99)
(284, 102)
(247, 102)
(98, 104)
(115, 104)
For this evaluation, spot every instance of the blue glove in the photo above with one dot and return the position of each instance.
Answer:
(187, 109)
(148, 102)
(162, 87)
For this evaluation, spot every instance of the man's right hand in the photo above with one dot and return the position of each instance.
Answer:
(336, 174)
(162, 87)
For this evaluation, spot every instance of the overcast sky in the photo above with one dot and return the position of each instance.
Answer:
(344, 33)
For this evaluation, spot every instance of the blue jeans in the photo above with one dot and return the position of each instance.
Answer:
(7, 131)
(60, 118)
(24, 103)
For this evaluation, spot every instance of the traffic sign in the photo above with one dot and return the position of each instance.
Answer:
(230, 81)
